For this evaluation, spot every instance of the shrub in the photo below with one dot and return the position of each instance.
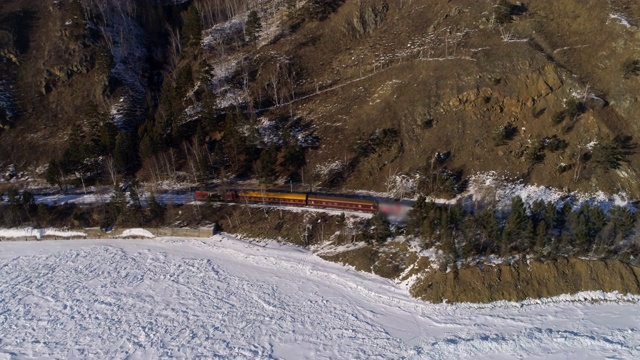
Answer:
(610, 154)
(534, 154)
(558, 117)
(502, 12)
(554, 143)
(573, 108)
(630, 68)
(503, 133)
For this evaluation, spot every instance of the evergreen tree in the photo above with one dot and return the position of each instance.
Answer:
(492, 229)
(471, 236)
(28, 201)
(550, 215)
(560, 220)
(253, 26)
(417, 215)
(538, 209)
(108, 134)
(578, 222)
(134, 196)
(126, 153)
(517, 226)
(621, 221)
(448, 246)
(527, 241)
(266, 165)
(156, 210)
(43, 215)
(74, 155)
(379, 227)
(55, 174)
(192, 27)
(541, 237)
(117, 204)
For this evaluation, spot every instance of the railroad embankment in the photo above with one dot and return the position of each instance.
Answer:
(522, 280)
(516, 281)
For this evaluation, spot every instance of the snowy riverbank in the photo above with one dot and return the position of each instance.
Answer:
(222, 297)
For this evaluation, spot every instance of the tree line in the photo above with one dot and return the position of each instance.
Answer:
(540, 229)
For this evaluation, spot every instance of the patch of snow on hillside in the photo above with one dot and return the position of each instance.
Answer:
(219, 82)
(330, 169)
(621, 19)
(269, 132)
(225, 298)
(401, 186)
(126, 42)
(490, 189)
(219, 34)
(118, 112)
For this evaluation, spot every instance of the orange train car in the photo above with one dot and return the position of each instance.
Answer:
(271, 197)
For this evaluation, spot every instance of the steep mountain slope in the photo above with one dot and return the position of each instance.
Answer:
(341, 93)
(446, 79)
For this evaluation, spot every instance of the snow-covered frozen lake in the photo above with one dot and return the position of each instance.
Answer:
(226, 298)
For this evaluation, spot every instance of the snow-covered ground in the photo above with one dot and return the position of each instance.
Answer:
(226, 298)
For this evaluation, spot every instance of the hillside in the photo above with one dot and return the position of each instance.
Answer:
(347, 94)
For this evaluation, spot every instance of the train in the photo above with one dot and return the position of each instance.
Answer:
(302, 199)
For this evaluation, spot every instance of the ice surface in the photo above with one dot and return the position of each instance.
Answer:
(225, 298)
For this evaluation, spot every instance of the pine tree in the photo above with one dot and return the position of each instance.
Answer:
(74, 155)
(134, 197)
(192, 27)
(118, 204)
(471, 236)
(515, 230)
(380, 228)
(538, 209)
(108, 134)
(622, 221)
(156, 210)
(55, 174)
(266, 165)
(126, 153)
(448, 246)
(578, 222)
(492, 230)
(253, 26)
(562, 215)
(43, 215)
(550, 215)
(541, 237)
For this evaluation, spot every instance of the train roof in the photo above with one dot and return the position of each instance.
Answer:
(341, 199)
(271, 194)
